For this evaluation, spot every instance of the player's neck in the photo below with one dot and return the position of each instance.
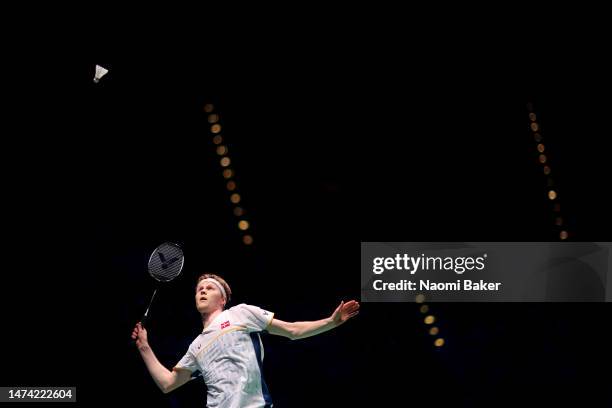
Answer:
(207, 318)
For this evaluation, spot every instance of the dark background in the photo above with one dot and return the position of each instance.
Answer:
(332, 144)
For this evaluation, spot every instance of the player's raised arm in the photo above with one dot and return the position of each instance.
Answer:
(300, 330)
(165, 379)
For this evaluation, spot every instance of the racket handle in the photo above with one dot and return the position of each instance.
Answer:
(144, 320)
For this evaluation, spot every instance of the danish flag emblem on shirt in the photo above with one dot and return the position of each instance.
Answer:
(225, 324)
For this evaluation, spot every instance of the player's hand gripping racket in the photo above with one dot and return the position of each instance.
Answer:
(165, 264)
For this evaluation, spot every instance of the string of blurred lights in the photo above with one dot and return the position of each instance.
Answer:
(429, 320)
(544, 160)
(229, 173)
(553, 195)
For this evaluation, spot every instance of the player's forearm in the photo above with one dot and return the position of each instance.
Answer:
(301, 330)
(160, 374)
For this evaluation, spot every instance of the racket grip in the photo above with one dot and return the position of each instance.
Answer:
(144, 320)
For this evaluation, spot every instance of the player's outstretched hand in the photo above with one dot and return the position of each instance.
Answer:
(345, 311)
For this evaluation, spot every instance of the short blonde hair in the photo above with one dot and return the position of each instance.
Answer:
(228, 290)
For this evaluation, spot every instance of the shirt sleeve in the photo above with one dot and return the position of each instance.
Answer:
(188, 362)
(254, 318)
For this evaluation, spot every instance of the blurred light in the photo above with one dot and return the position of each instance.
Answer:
(541, 148)
(243, 225)
(534, 126)
(235, 198)
(552, 194)
(546, 170)
(532, 117)
(439, 342)
(209, 107)
(216, 128)
(225, 161)
(221, 150)
(434, 330)
(542, 158)
(424, 309)
(231, 185)
(213, 118)
(430, 319)
(419, 298)
(537, 137)
(563, 235)
(217, 139)
(247, 239)
(228, 173)
(238, 211)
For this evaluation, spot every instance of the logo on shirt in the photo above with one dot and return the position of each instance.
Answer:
(265, 313)
(225, 324)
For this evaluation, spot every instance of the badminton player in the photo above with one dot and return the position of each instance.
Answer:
(229, 353)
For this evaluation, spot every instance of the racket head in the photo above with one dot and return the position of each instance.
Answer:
(166, 262)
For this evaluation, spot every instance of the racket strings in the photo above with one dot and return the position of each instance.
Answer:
(166, 262)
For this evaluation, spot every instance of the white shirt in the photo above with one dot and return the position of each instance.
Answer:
(229, 354)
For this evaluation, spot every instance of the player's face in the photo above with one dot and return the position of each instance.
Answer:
(208, 297)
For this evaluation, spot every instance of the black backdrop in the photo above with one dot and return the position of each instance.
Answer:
(330, 150)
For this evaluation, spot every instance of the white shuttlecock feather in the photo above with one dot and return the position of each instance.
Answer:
(100, 72)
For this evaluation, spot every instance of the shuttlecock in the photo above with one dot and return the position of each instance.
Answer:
(100, 72)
